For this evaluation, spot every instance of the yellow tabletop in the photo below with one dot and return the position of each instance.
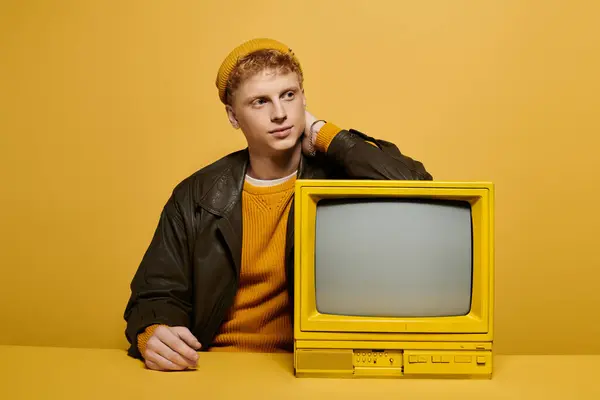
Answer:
(64, 373)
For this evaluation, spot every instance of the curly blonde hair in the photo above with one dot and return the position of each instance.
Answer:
(258, 61)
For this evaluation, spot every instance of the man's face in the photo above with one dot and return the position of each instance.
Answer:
(269, 108)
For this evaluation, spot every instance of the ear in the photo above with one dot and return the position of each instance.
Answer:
(232, 118)
(303, 98)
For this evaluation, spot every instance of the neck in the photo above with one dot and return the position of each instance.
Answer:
(274, 166)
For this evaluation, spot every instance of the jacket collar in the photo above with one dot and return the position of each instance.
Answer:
(223, 198)
(225, 188)
(224, 193)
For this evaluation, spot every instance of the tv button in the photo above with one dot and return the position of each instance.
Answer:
(462, 359)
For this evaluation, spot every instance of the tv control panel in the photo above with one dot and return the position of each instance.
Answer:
(457, 363)
(377, 362)
(394, 363)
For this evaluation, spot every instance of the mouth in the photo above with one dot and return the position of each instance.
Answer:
(281, 133)
(282, 130)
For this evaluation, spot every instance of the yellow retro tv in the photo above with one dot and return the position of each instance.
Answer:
(393, 279)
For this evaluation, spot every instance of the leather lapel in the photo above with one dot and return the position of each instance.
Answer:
(226, 195)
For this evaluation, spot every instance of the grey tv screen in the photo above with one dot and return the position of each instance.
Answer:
(393, 257)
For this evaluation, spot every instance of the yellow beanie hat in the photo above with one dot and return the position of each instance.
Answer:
(240, 52)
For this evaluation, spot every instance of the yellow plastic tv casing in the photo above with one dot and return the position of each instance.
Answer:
(431, 347)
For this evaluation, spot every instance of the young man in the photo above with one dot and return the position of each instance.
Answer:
(218, 274)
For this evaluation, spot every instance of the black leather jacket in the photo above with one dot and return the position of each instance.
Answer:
(188, 275)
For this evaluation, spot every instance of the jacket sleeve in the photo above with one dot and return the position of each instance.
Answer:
(363, 157)
(161, 287)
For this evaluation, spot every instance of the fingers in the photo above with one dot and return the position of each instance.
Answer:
(151, 365)
(171, 338)
(185, 334)
(154, 366)
(171, 348)
(157, 362)
(166, 352)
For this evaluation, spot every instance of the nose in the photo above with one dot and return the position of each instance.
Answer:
(279, 114)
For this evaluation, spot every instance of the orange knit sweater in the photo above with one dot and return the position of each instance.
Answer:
(259, 320)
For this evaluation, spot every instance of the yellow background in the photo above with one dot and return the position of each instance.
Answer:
(106, 105)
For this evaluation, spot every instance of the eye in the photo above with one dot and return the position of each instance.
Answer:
(289, 95)
(259, 102)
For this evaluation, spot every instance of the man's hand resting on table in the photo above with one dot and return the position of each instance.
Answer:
(171, 348)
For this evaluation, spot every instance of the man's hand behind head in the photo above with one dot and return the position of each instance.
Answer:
(171, 349)
(309, 138)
